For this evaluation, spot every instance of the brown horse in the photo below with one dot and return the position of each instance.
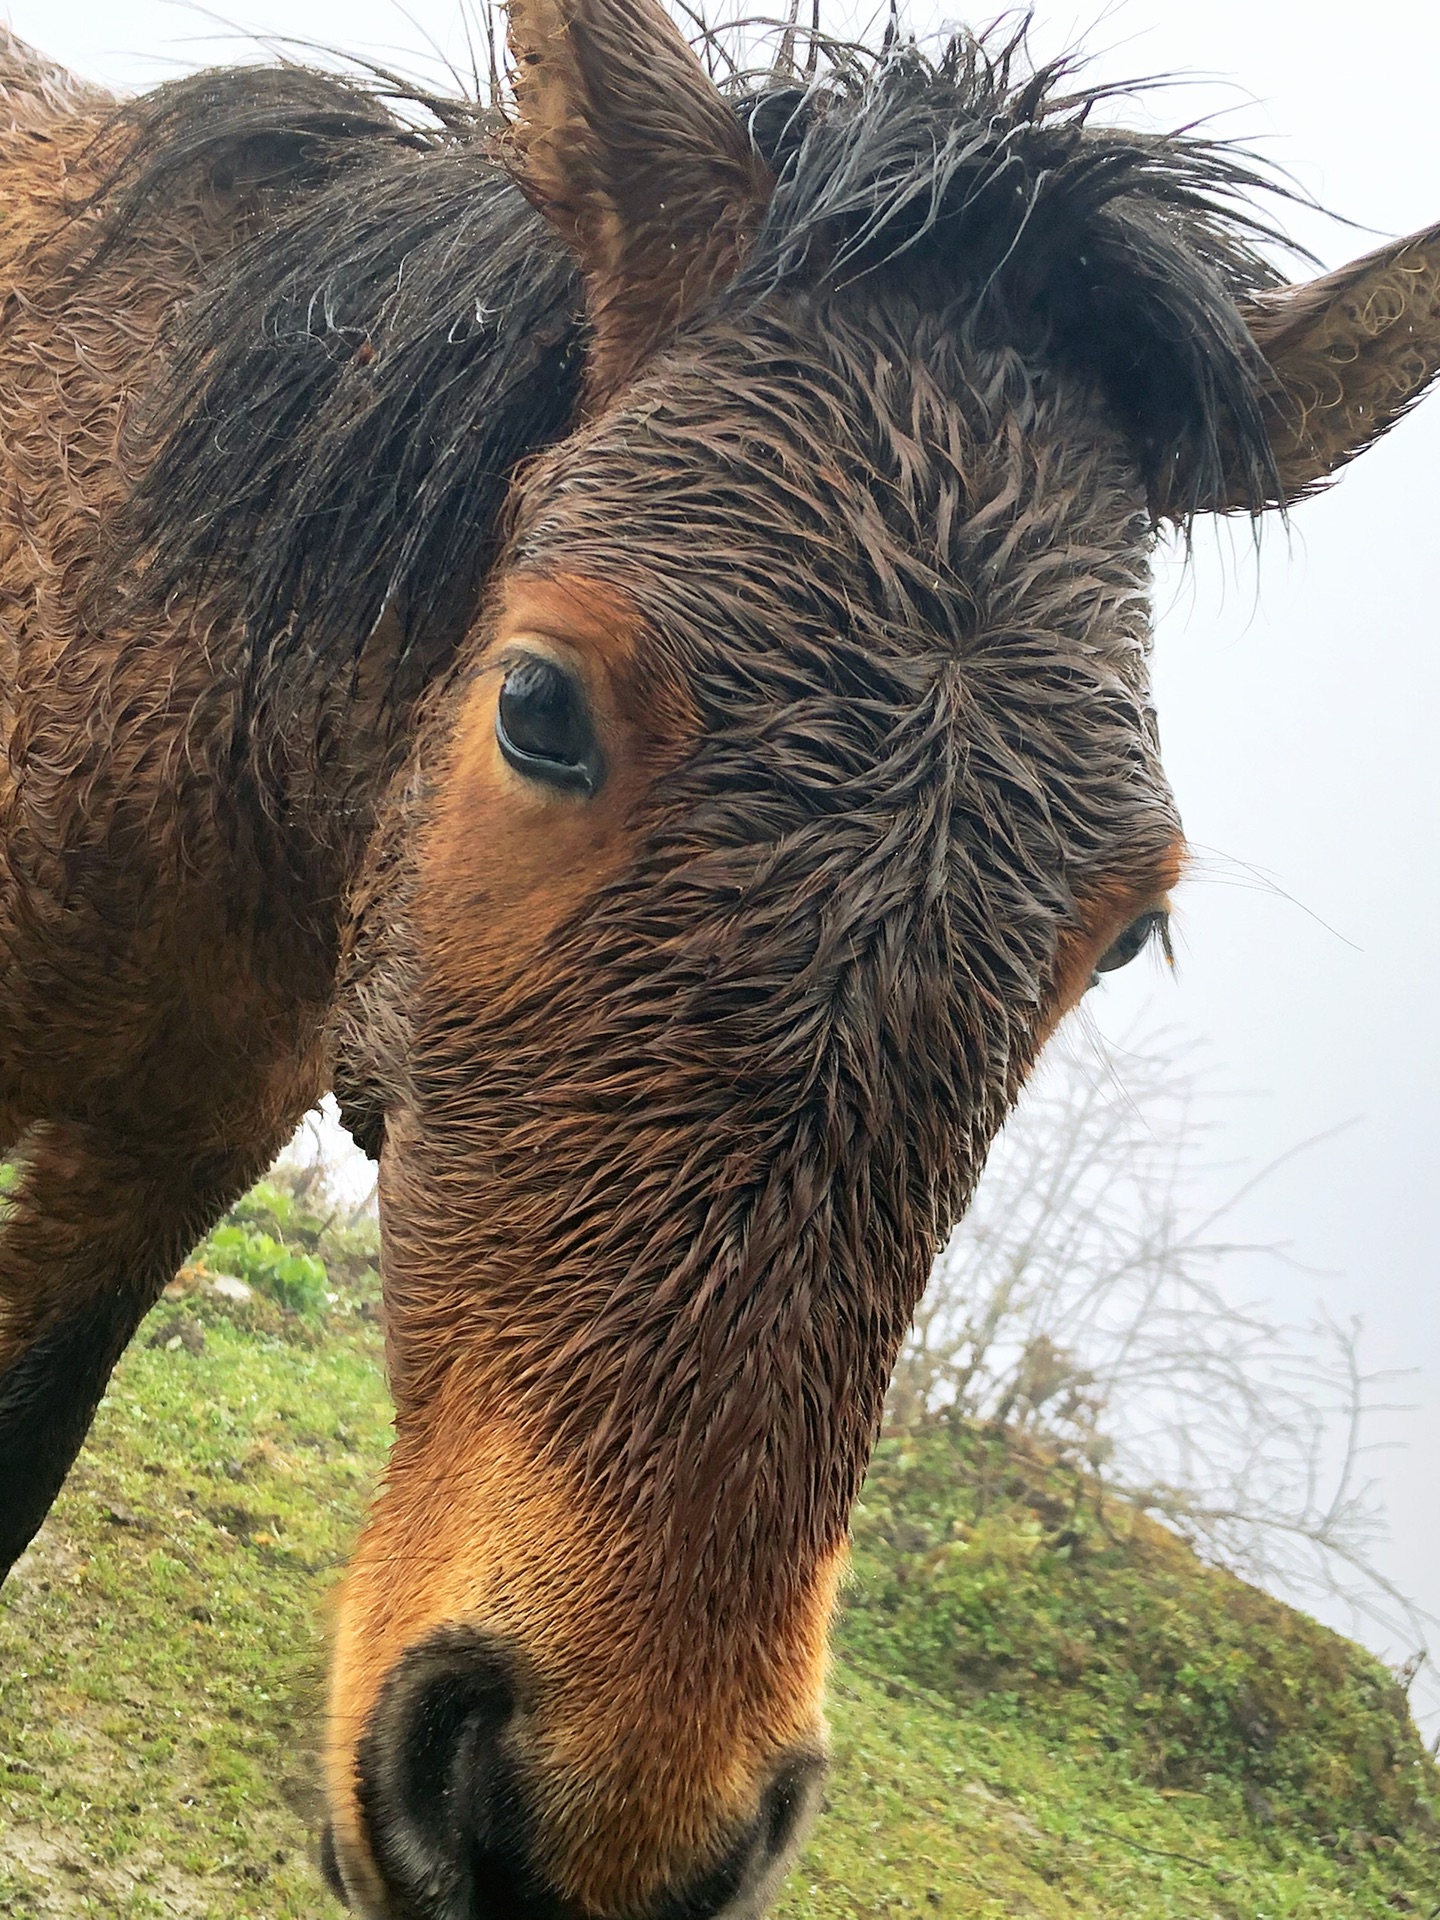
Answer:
(636, 624)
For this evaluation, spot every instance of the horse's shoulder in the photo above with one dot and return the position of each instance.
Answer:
(36, 92)
(49, 119)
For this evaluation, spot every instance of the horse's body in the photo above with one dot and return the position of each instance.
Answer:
(705, 844)
(161, 1019)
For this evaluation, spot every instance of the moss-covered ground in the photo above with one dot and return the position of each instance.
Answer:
(1042, 1705)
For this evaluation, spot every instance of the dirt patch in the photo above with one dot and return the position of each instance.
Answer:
(62, 1881)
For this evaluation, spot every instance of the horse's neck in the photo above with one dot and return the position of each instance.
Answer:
(119, 728)
(314, 751)
(163, 736)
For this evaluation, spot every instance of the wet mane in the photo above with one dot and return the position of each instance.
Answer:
(1122, 255)
(353, 389)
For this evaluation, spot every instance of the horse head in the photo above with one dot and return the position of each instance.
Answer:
(798, 775)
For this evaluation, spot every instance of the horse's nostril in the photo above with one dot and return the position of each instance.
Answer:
(437, 1789)
(790, 1805)
(447, 1763)
(787, 1807)
(330, 1865)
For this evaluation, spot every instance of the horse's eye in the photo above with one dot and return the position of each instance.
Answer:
(543, 726)
(1136, 937)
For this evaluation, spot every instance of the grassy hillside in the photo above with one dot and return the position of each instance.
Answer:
(1042, 1704)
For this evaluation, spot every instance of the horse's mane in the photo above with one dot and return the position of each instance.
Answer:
(353, 388)
(1122, 254)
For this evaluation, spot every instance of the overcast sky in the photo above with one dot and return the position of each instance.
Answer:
(1298, 693)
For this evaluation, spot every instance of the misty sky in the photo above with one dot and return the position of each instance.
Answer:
(1298, 692)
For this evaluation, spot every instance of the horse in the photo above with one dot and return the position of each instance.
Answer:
(616, 636)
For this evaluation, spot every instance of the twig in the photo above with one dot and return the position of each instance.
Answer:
(1222, 1874)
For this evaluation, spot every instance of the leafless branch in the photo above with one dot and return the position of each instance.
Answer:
(1088, 1299)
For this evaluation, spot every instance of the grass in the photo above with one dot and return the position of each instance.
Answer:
(1015, 1729)
(161, 1645)
(1009, 1582)
(932, 1813)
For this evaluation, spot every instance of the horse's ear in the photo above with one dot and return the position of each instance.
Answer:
(1348, 355)
(626, 146)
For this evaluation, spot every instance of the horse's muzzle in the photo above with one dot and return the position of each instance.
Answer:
(446, 1819)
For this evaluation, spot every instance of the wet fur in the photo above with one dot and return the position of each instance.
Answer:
(364, 470)
(677, 1092)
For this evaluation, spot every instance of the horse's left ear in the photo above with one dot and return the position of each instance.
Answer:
(625, 145)
(1348, 355)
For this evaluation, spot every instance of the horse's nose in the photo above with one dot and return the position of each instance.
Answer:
(436, 1789)
(445, 1817)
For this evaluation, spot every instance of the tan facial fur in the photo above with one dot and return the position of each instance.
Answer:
(643, 1746)
(480, 1523)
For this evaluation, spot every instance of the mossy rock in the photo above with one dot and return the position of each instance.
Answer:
(1008, 1580)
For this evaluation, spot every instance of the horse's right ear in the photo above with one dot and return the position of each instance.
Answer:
(1348, 355)
(625, 145)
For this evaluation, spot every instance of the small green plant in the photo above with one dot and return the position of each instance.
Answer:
(300, 1212)
(296, 1280)
(293, 1242)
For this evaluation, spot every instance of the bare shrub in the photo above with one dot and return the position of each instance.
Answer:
(1088, 1299)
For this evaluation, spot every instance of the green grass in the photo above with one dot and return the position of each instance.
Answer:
(1006, 1580)
(1016, 1731)
(161, 1645)
(934, 1813)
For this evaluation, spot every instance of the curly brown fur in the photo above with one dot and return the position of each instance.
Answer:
(832, 940)
(834, 499)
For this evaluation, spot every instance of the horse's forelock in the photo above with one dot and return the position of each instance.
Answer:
(1121, 255)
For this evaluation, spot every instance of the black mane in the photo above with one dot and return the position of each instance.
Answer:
(353, 390)
(1120, 254)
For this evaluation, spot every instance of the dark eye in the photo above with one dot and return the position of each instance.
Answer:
(1136, 937)
(543, 726)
